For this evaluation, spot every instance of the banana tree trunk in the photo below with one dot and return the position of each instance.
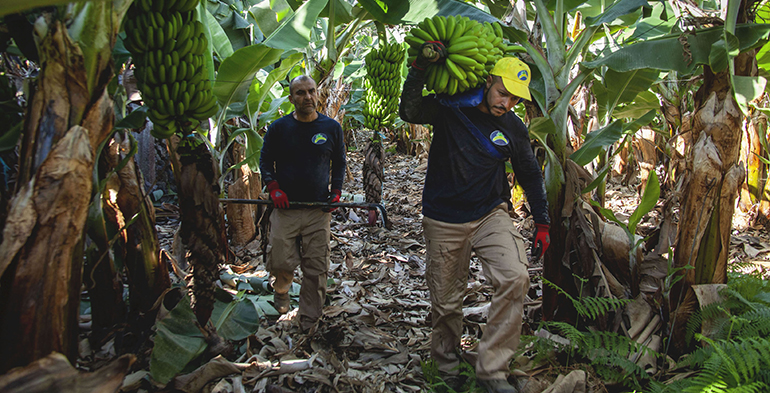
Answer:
(242, 218)
(148, 276)
(712, 179)
(763, 212)
(41, 254)
(751, 151)
(646, 154)
(680, 139)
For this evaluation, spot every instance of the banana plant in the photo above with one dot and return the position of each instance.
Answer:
(554, 83)
(64, 125)
(714, 174)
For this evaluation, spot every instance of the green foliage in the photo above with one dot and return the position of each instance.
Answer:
(736, 355)
(743, 312)
(607, 352)
(437, 384)
(730, 365)
(591, 307)
(540, 349)
(430, 371)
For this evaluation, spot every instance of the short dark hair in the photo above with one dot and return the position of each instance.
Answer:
(298, 78)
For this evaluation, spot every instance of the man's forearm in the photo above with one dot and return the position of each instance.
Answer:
(411, 107)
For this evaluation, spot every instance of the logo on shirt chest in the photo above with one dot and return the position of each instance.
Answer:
(498, 138)
(319, 139)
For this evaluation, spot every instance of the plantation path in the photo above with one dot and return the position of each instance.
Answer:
(376, 329)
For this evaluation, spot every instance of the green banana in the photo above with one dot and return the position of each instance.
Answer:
(456, 48)
(421, 34)
(456, 72)
(498, 29)
(450, 27)
(459, 29)
(438, 22)
(431, 28)
(461, 60)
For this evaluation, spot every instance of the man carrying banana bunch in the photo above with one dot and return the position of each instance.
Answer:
(300, 151)
(465, 205)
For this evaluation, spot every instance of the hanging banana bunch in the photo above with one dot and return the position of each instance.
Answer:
(473, 49)
(167, 44)
(383, 86)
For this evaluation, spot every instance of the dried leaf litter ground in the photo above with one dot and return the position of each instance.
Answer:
(375, 331)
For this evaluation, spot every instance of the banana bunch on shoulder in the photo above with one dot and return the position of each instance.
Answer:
(473, 49)
(167, 44)
(383, 85)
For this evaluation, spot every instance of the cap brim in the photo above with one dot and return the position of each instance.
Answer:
(516, 88)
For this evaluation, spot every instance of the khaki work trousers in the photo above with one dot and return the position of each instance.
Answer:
(300, 237)
(500, 248)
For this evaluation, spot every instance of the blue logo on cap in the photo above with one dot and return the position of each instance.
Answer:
(319, 138)
(522, 75)
(498, 138)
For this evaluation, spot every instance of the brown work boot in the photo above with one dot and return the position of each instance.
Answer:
(497, 386)
(281, 302)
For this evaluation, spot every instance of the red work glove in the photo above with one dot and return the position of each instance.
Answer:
(430, 51)
(280, 200)
(541, 240)
(334, 196)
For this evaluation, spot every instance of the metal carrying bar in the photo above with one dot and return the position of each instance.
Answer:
(362, 205)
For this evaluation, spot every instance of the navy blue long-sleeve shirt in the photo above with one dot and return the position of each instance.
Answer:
(300, 155)
(464, 182)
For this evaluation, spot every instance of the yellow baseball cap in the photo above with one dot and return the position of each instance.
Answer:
(515, 75)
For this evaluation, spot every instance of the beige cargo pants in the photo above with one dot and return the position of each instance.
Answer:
(500, 248)
(300, 237)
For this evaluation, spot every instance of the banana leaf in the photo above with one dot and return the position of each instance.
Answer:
(260, 92)
(659, 23)
(277, 107)
(596, 140)
(643, 103)
(763, 59)
(268, 15)
(722, 52)
(648, 202)
(240, 318)
(606, 136)
(619, 88)
(668, 53)
(237, 72)
(343, 11)
(219, 39)
(556, 52)
(615, 11)
(748, 88)
(294, 30)
(177, 342)
(13, 6)
(497, 7)
(395, 12)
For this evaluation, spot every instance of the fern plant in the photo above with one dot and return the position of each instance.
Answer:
(590, 307)
(744, 310)
(607, 352)
(736, 355)
(437, 384)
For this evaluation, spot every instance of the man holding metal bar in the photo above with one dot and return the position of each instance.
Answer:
(300, 151)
